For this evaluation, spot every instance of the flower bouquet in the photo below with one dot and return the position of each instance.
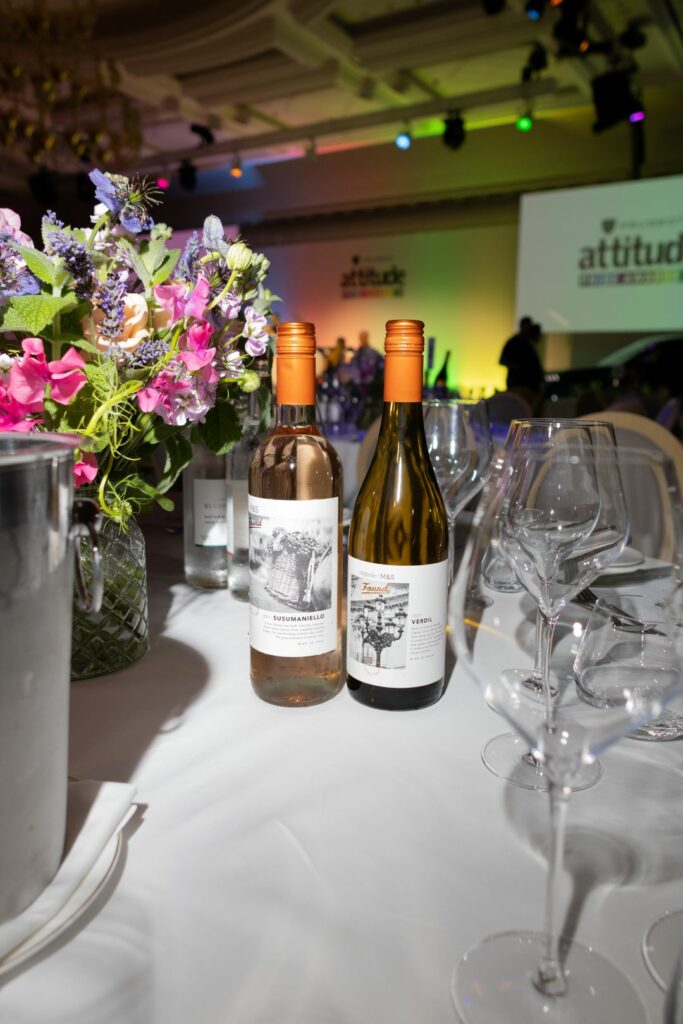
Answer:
(113, 335)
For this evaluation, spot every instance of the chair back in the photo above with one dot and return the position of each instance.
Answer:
(634, 431)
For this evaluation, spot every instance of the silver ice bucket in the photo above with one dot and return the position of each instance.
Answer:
(39, 522)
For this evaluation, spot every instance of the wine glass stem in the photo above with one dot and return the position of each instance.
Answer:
(537, 674)
(547, 631)
(451, 549)
(550, 978)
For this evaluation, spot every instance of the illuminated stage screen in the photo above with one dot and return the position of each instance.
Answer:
(605, 258)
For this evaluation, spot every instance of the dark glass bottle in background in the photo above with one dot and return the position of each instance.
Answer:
(295, 549)
(398, 549)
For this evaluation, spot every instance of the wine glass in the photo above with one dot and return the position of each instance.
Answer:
(461, 449)
(525, 432)
(556, 548)
(529, 977)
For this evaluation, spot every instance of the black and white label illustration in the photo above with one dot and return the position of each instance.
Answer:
(396, 623)
(210, 499)
(293, 549)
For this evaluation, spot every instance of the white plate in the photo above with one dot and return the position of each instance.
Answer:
(74, 907)
(628, 560)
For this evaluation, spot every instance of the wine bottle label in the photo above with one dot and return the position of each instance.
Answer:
(396, 629)
(210, 498)
(293, 567)
(238, 516)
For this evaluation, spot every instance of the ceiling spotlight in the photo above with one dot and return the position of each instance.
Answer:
(187, 176)
(453, 131)
(616, 99)
(204, 133)
(493, 6)
(534, 9)
(236, 168)
(525, 122)
(403, 140)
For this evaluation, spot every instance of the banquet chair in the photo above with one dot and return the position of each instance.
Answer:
(634, 431)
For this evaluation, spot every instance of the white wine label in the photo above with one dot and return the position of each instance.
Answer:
(238, 516)
(209, 513)
(396, 628)
(293, 576)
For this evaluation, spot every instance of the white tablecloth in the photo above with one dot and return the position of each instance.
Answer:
(325, 865)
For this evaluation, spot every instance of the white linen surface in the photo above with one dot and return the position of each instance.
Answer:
(95, 812)
(327, 865)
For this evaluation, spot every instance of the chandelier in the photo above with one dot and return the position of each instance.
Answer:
(60, 105)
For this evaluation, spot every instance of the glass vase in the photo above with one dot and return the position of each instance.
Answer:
(119, 634)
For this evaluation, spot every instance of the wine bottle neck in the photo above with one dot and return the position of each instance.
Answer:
(402, 419)
(293, 416)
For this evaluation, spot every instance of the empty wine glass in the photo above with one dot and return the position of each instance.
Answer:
(521, 434)
(563, 521)
(460, 447)
(532, 977)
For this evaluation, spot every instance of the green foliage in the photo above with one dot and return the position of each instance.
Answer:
(38, 263)
(31, 314)
(221, 429)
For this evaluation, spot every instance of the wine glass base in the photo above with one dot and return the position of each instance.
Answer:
(494, 982)
(662, 947)
(508, 757)
(669, 726)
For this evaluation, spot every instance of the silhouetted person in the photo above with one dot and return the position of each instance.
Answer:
(519, 355)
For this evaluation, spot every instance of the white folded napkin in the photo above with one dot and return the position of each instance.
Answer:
(96, 811)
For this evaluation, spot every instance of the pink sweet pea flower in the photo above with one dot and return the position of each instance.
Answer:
(197, 337)
(196, 304)
(66, 376)
(85, 470)
(29, 376)
(10, 224)
(198, 359)
(14, 415)
(171, 298)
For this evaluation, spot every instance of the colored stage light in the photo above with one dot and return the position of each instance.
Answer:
(525, 122)
(403, 140)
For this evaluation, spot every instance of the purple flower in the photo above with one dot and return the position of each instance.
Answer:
(111, 299)
(178, 395)
(254, 331)
(106, 191)
(125, 198)
(230, 306)
(76, 258)
(15, 278)
(147, 353)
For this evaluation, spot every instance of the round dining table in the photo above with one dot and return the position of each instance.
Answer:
(325, 865)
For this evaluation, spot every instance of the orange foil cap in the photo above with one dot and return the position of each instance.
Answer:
(295, 363)
(404, 347)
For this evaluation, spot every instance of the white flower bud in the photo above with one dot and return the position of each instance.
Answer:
(239, 256)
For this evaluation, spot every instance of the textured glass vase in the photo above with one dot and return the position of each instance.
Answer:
(119, 634)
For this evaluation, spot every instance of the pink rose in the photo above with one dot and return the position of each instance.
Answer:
(135, 327)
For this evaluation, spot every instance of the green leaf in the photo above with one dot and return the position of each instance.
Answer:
(221, 429)
(31, 314)
(178, 455)
(38, 263)
(136, 261)
(153, 254)
(137, 488)
(164, 271)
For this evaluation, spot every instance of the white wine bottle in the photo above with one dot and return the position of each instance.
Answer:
(398, 549)
(295, 515)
